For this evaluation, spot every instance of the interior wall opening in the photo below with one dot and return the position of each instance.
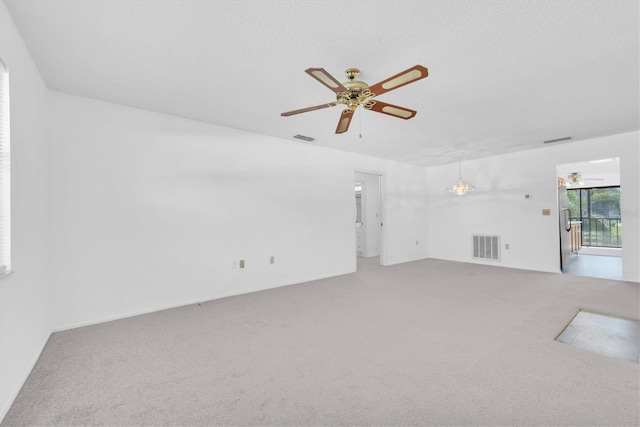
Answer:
(368, 219)
(591, 234)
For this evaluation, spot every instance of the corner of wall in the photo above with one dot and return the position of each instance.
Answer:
(25, 295)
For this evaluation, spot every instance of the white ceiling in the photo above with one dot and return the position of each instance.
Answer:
(503, 75)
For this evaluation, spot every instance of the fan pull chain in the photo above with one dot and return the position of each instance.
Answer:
(360, 120)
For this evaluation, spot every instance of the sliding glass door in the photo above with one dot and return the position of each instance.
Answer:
(599, 210)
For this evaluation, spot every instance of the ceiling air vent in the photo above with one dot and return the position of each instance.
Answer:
(566, 138)
(304, 138)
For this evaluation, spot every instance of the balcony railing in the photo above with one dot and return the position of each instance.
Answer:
(602, 232)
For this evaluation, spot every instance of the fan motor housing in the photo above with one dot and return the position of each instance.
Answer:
(358, 92)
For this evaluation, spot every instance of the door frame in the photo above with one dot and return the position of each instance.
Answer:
(618, 171)
(381, 209)
(363, 215)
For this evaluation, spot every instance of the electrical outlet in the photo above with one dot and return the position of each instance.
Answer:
(416, 243)
(506, 246)
(546, 212)
(241, 263)
(272, 260)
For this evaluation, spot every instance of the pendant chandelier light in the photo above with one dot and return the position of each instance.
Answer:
(460, 187)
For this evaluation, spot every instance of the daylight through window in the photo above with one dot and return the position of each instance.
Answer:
(598, 209)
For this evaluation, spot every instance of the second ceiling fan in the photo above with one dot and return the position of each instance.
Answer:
(575, 178)
(354, 93)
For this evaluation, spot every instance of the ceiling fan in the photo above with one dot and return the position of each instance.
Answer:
(354, 93)
(575, 178)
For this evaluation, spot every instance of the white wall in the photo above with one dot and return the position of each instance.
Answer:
(498, 206)
(152, 211)
(25, 295)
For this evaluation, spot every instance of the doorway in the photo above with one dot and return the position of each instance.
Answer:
(368, 219)
(589, 198)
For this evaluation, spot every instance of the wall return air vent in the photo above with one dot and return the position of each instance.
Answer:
(486, 247)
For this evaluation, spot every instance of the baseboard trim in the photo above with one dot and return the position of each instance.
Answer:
(14, 394)
(125, 315)
(498, 264)
(405, 261)
(183, 304)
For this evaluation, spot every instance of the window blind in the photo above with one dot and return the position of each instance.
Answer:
(5, 173)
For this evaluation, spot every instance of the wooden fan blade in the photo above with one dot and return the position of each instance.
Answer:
(321, 75)
(345, 121)
(304, 110)
(404, 78)
(392, 110)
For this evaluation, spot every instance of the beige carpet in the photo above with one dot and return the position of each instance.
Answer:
(423, 343)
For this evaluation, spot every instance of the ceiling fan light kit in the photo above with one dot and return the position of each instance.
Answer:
(355, 93)
(576, 178)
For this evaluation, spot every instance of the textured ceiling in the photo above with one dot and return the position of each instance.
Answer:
(503, 75)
